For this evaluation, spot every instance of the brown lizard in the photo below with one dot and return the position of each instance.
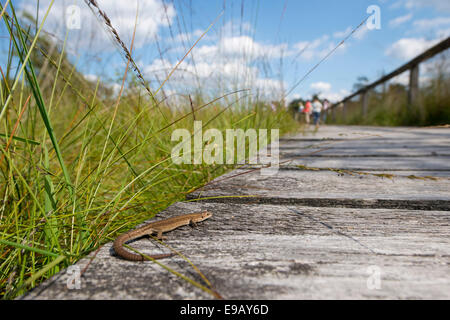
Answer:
(157, 228)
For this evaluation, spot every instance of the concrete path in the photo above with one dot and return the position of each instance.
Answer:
(353, 213)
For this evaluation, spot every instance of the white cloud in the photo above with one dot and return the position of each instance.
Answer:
(271, 88)
(227, 65)
(362, 32)
(91, 77)
(233, 28)
(188, 38)
(246, 46)
(322, 46)
(440, 5)
(335, 96)
(396, 4)
(325, 91)
(315, 49)
(402, 78)
(342, 34)
(211, 75)
(443, 33)
(152, 15)
(400, 20)
(359, 34)
(408, 48)
(294, 96)
(321, 86)
(426, 24)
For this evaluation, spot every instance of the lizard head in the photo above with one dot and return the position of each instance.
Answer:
(203, 216)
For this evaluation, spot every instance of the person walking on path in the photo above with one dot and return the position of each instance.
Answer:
(326, 106)
(300, 109)
(307, 111)
(316, 109)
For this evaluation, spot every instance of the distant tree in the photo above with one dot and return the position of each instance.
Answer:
(361, 82)
(293, 105)
(397, 88)
(315, 96)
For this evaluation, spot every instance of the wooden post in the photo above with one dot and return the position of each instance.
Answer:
(413, 93)
(365, 102)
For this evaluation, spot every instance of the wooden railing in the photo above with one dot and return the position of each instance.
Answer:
(412, 66)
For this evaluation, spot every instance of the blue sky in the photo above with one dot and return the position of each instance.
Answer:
(268, 45)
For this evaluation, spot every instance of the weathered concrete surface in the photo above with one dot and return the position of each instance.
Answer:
(303, 234)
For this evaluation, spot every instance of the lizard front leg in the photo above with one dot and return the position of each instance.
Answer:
(159, 235)
(192, 224)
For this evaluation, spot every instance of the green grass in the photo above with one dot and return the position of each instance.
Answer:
(78, 167)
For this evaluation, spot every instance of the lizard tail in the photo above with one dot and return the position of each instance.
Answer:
(122, 252)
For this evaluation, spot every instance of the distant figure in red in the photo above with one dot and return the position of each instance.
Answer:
(307, 111)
